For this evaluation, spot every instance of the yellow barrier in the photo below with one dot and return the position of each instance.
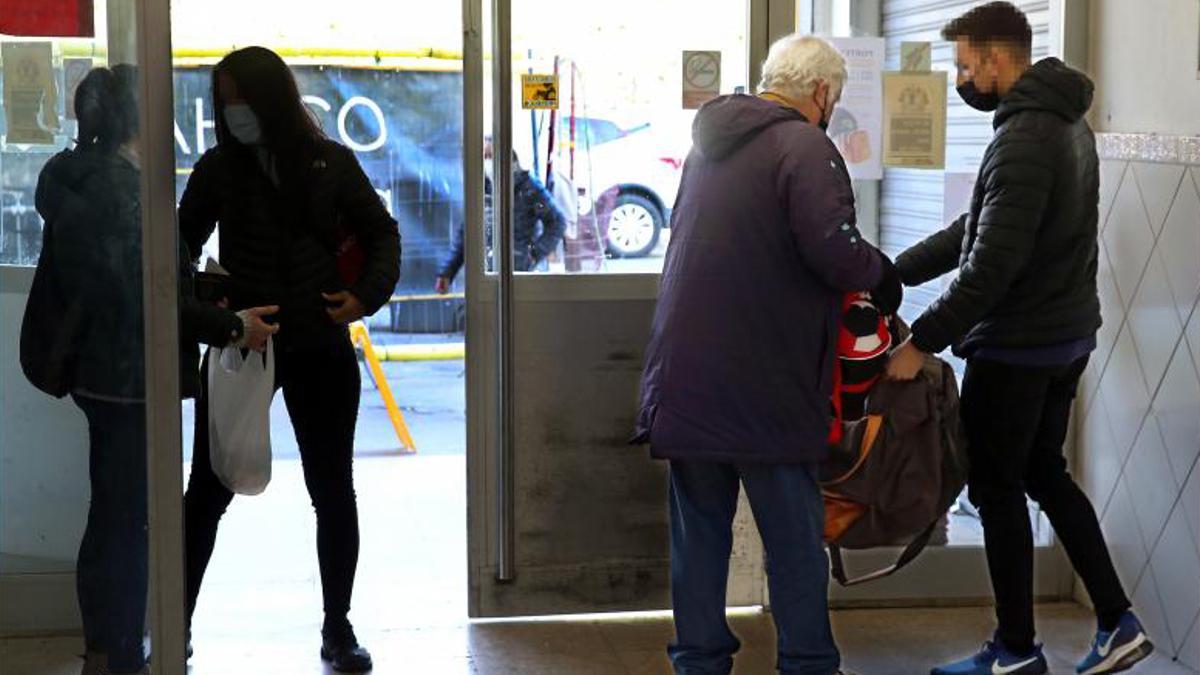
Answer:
(362, 339)
(454, 351)
(396, 299)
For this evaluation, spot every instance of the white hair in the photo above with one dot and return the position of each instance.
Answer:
(797, 63)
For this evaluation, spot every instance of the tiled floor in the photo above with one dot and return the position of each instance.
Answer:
(875, 642)
(259, 612)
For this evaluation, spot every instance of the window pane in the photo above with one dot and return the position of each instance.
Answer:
(598, 176)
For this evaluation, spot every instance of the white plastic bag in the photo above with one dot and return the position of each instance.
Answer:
(240, 389)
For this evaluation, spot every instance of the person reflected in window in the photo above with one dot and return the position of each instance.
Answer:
(538, 224)
(289, 203)
(89, 197)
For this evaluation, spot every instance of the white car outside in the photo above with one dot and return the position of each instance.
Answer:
(641, 162)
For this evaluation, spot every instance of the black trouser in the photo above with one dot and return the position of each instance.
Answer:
(1016, 421)
(321, 388)
(111, 575)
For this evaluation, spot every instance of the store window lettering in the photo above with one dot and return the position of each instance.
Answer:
(368, 140)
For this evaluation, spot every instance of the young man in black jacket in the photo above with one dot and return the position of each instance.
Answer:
(1024, 312)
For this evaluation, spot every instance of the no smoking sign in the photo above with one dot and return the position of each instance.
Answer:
(701, 78)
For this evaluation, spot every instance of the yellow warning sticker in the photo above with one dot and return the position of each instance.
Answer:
(539, 92)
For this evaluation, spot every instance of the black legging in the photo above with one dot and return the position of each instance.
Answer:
(321, 389)
(1016, 420)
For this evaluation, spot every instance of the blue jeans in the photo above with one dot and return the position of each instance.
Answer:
(112, 571)
(788, 509)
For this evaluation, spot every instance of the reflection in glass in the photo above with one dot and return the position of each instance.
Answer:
(83, 336)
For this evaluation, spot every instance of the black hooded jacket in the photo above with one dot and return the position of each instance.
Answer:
(1027, 250)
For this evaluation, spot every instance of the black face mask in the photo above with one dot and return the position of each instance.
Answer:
(977, 99)
(823, 123)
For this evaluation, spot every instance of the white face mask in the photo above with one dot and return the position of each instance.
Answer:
(243, 123)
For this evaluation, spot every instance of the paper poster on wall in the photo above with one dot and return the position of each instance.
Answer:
(914, 120)
(857, 123)
(74, 70)
(916, 57)
(701, 78)
(30, 95)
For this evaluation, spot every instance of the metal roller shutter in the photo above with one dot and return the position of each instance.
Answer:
(910, 199)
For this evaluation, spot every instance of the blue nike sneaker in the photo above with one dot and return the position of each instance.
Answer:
(994, 659)
(1117, 651)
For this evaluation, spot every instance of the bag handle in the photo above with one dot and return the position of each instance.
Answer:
(838, 565)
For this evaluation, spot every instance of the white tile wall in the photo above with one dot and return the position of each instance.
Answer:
(1190, 654)
(1175, 412)
(1179, 244)
(1157, 184)
(1139, 442)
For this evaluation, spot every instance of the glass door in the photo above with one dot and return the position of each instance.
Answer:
(577, 110)
(89, 415)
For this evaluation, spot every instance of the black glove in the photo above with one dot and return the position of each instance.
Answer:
(889, 294)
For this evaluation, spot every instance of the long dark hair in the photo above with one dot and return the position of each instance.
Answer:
(289, 129)
(106, 106)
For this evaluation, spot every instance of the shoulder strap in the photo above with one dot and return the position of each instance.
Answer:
(874, 424)
(838, 566)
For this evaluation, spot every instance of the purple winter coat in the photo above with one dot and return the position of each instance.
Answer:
(763, 245)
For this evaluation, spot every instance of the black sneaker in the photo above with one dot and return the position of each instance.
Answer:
(341, 649)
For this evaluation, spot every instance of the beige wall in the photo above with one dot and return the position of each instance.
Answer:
(1143, 56)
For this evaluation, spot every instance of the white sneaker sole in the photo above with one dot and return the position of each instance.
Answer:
(1124, 658)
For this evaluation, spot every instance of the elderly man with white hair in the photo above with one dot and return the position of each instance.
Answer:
(739, 370)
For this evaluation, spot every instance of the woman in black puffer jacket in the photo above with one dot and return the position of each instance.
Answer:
(89, 199)
(300, 227)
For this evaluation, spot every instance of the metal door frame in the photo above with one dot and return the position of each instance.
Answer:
(160, 260)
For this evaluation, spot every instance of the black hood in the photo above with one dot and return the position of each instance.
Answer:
(1049, 85)
(63, 181)
(727, 123)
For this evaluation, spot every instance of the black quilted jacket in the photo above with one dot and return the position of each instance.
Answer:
(1026, 251)
(279, 243)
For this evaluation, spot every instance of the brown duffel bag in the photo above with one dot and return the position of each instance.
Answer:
(896, 472)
